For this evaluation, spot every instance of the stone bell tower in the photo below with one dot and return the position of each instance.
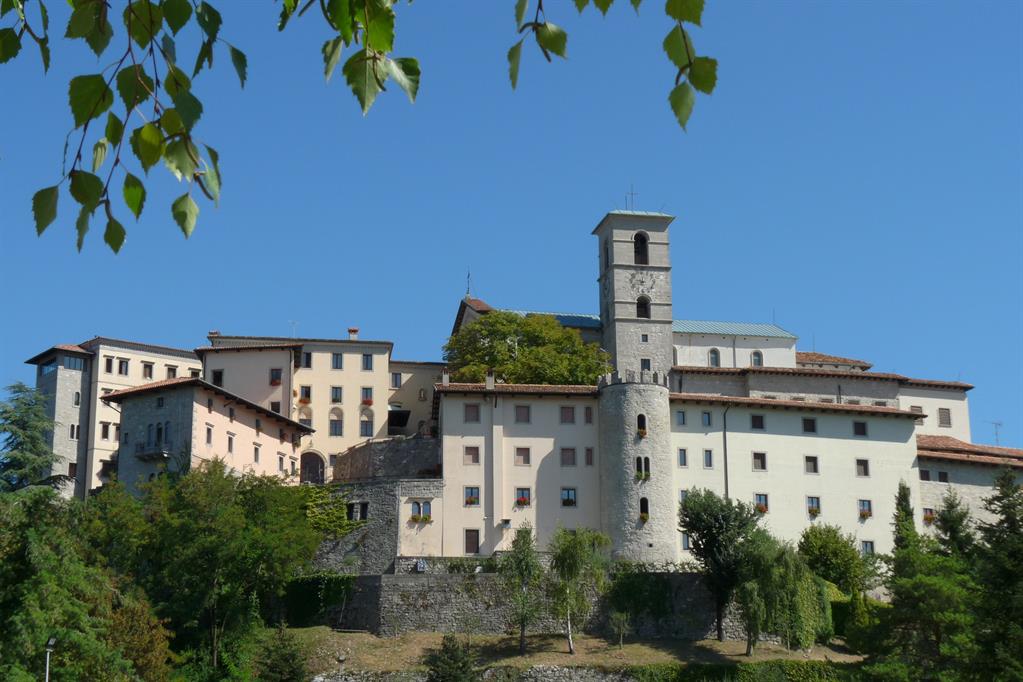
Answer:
(639, 510)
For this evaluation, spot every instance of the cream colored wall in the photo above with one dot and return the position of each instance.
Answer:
(973, 483)
(497, 475)
(415, 377)
(420, 539)
(890, 448)
(930, 400)
(735, 351)
(247, 373)
(99, 449)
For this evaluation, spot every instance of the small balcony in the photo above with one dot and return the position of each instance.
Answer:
(158, 452)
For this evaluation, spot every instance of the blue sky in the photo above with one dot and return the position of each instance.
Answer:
(856, 177)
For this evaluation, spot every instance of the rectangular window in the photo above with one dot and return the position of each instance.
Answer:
(363, 511)
(209, 405)
(471, 455)
(367, 361)
(218, 377)
(276, 375)
(813, 506)
(230, 414)
(862, 467)
(471, 413)
(337, 427)
(852, 402)
(925, 475)
(588, 414)
(472, 541)
(117, 433)
(275, 406)
(349, 510)
(472, 496)
(294, 465)
(78, 399)
(195, 373)
(395, 379)
(147, 370)
(708, 459)
(811, 465)
(72, 469)
(760, 502)
(74, 363)
(756, 422)
(944, 417)
(522, 497)
(685, 542)
(942, 477)
(259, 425)
(280, 464)
(759, 461)
(104, 430)
(73, 431)
(230, 443)
(644, 338)
(568, 497)
(122, 367)
(706, 419)
(589, 457)
(567, 414)
(867, 547)
(159, 402)
(568, 457)
(866, 508)
(336, 394)
(172, 372)
(680, 418)
(337, 361)
(366, 428)
(827, 400)
(683, 457)
(880, 403)
(209, 435)
(644, 364)
(255, 454)
(367, 394)
(305, 393)
(280, 435)
(859, 428)
(522, 414)
(307, 359)
(682, 496)
(916, 409)
(522, 456)
(108, 365)
(809, 425)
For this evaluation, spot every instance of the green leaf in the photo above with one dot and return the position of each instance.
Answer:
(552, 38)
(514, 57)
(82, 21)
(86, 188)
(82, 225)
(679, 47)
(635, 5)
(147, 143)
(44, 52)
(189, 108)
(331, 55)
(212, 179)
(114, 130)
(379, 23)
(171, 122)
(180, 157)
(205, 55)
(603, 5)
(10, 44)
(241, 64)
(134, 194)
(581, 4)
(185, 211)
(176, 81)
(114, 234)
(364, 78)
(134, 86)
(89, 97)
(520, 11)
(45, 14)
(176, 13)
(99, 153)
(100, 36)
(44, 207)
(704, 74)
(168, 47)
(405, 72)
(340, 14)
(682, 100)
(685, 10)
(143, 19)
(209, 20)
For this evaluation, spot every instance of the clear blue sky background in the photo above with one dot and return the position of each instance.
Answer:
(856, 176)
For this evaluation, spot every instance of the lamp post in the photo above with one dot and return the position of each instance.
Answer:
(50, 643)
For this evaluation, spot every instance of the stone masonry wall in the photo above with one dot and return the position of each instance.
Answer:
(371, 548)
(413, 457)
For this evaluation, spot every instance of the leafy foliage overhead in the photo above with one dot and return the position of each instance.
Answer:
(157, 109)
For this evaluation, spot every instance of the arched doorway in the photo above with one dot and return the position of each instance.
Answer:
(312, 468)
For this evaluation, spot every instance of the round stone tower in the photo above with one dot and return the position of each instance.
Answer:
(638, 509)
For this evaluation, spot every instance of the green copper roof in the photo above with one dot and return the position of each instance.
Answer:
(730, 328)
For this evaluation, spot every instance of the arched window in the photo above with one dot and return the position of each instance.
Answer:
(644, 506)
(166, 433)
(313, 469)
(305, 416)
(417, 510)
(646, 467)
(366, 424)
(149, 435)
(426, 509)
(337, 422)
(641, 422)
(639, 466)
(639, 249)
(643, 308)
(714, 357)
(757, 359)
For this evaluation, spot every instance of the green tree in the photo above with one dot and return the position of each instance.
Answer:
(523, 573)
(578, 570)
(832, 555)
(955, 534)
(530, 349)
(116, 529)
(281, 659)
(999, 558)
(718, 530)
(621, 624)
(453, 662)
(26, 458)
(903, 523)
(145, 55)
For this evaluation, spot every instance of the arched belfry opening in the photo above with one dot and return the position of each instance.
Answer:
(641, 249)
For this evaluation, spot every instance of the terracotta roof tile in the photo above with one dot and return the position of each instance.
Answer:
(809, 371)
(950, 444)
(66, 347)
(823, 358)
(790, 404)
(248, 346)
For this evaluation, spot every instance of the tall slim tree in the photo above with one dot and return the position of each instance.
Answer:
(955, 534)
(26, 458)
(522, 573)
(718, 529)
(903, 524)
(578, 569)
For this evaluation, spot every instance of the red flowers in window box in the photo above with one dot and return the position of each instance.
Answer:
(275, 382)
(865, 514)
(522, 502)
(472, 501)
(762, 508)
(304, 401)
(367, 401)
(930, 517)
(814, 512)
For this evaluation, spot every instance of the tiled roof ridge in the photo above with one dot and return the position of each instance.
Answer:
(949, 443)
(299, 340)
(814, 356)
(136, 345)
(813, 371)
(560, 389)
(799, 404)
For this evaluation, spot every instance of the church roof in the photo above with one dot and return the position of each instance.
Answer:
(577, 320)
(809, 357)
(730, 328)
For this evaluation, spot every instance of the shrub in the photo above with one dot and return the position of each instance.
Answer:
(308, 597)
(281, 659)
(453, 662)
(618, 621)
(764, 671)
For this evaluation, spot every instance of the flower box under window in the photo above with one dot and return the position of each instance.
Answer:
(865, 514)
(367, 401)
(304, 401)
(522, 502)
(275, 382)
(641, 433)
(814, 512)
(762, 508)
(930, 518)
(644, 517)
(472, 501)
(415, 518)
(567, 502)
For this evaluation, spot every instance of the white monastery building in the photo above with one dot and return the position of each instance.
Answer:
(443, 469)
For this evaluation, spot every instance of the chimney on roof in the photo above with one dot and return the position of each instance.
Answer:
(490, 379)
(445, 378)
(353, 333)
(214, 332)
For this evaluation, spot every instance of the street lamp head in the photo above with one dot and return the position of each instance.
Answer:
(51, 643)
